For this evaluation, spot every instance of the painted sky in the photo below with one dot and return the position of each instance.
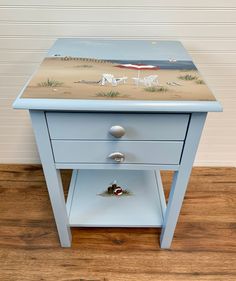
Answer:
(120, 49)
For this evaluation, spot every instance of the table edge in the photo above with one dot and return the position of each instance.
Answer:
(117, 105)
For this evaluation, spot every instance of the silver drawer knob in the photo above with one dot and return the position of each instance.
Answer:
(117, 131)
(117, 156)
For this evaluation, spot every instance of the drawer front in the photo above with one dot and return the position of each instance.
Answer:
(72, 126)
(139, 152)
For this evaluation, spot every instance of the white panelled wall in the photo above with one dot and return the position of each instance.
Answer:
(207, 28)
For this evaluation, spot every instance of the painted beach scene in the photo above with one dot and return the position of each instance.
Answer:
(118, 70)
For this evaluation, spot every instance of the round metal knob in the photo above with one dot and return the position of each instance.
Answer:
(117, 156)
(117, 131)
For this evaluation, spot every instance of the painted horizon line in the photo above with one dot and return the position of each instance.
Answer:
(162, 64)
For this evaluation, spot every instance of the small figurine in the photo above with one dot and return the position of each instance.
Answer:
(115, 190)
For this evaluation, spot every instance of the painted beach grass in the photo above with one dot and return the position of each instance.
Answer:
(50, 83)
(156, 89)
(188, 77)
(111, 94)
(200, 82)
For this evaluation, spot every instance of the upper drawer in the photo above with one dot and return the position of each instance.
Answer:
(97, 126)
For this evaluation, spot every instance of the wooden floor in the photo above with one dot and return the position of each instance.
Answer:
(204, 246)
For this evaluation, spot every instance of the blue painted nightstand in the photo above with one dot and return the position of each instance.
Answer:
(117, 112)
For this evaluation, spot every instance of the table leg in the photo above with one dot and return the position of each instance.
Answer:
(52, 176)
(181, 177)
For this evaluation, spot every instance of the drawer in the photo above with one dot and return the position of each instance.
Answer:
(136, 152)
(72, 126)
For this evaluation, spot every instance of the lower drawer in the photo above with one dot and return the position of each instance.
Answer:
(135, 152)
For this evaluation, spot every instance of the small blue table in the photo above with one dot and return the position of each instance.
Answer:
(117, 112)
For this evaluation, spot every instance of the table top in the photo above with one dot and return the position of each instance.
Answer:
(107, 75)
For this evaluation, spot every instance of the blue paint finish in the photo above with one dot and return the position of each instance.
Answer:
(135, 152)
(117, 106)
(52, 176)
(81, 140)
(84, 126)
(181, 178)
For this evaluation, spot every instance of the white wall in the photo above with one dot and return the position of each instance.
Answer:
(207, 28)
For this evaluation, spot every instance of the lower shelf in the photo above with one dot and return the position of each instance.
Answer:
(89, 205)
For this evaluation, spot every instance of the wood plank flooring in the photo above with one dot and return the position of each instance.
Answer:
(204, 246)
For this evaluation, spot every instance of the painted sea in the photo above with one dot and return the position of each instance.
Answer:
(162, 64)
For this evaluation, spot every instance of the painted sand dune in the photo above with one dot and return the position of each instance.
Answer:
(86, 78)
